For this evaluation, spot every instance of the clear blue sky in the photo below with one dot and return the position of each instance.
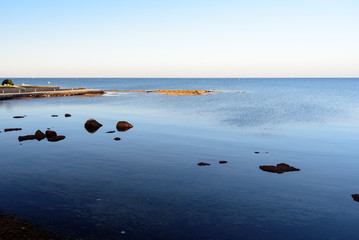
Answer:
(182, 38)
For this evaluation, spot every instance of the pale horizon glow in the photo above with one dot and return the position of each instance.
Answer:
(167, 38)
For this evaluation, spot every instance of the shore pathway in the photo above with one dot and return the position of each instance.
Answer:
(54, 93)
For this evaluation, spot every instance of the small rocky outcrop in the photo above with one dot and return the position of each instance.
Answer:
(19, 116)
(53, 137)
(117, 139)
(203, 164)
(355, 197)
(123, 126)
(280, 168)
(110, 131)
(256, 152)
(54, 115)
(92, 125)
(12, 129)
(67, 115)
(38, 136)
(222, 162)
(50, 134)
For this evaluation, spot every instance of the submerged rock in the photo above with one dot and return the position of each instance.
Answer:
(12, 129)
(222, 162)
(110, 131)
(280, 168)
(54, 115)
(203, 164)
(67, 115)
(117, 139)
(92, 125)
(123, 126)
(256, 152)
(355, 197)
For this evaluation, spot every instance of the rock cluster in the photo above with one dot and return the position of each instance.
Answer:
(50, 135)
(92, 126)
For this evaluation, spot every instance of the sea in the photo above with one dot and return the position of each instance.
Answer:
(149, 185)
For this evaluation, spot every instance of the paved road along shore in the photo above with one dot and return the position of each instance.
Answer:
(59, 93)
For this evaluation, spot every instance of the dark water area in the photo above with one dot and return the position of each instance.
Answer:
(148, 185)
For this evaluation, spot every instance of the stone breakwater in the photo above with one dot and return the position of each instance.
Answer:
(53, 93)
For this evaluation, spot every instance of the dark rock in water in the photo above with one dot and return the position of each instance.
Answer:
(222, 162)
(56, 138)
(203, 164)
(355, 197)
(123, 126)
(280, 168)
(54, 115)
(256, 152)
(12, 129)
(39, 135)
(19, 116)
(117, 139)
(27, 137)
(110, 131)
(50, 134)
(67, 115)
(92, 125)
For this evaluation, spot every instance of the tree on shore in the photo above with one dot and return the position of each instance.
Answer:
(7, 82)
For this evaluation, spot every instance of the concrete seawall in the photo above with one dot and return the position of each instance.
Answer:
(59, 93)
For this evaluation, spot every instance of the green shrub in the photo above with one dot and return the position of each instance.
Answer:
(7, 82)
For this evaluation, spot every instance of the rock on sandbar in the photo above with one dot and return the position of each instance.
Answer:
(280, 168)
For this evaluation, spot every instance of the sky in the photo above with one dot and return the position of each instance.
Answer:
(179, 38)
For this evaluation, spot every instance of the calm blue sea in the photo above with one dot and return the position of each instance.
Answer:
(149, 186)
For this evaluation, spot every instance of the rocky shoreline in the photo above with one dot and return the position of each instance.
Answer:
(53, 93)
